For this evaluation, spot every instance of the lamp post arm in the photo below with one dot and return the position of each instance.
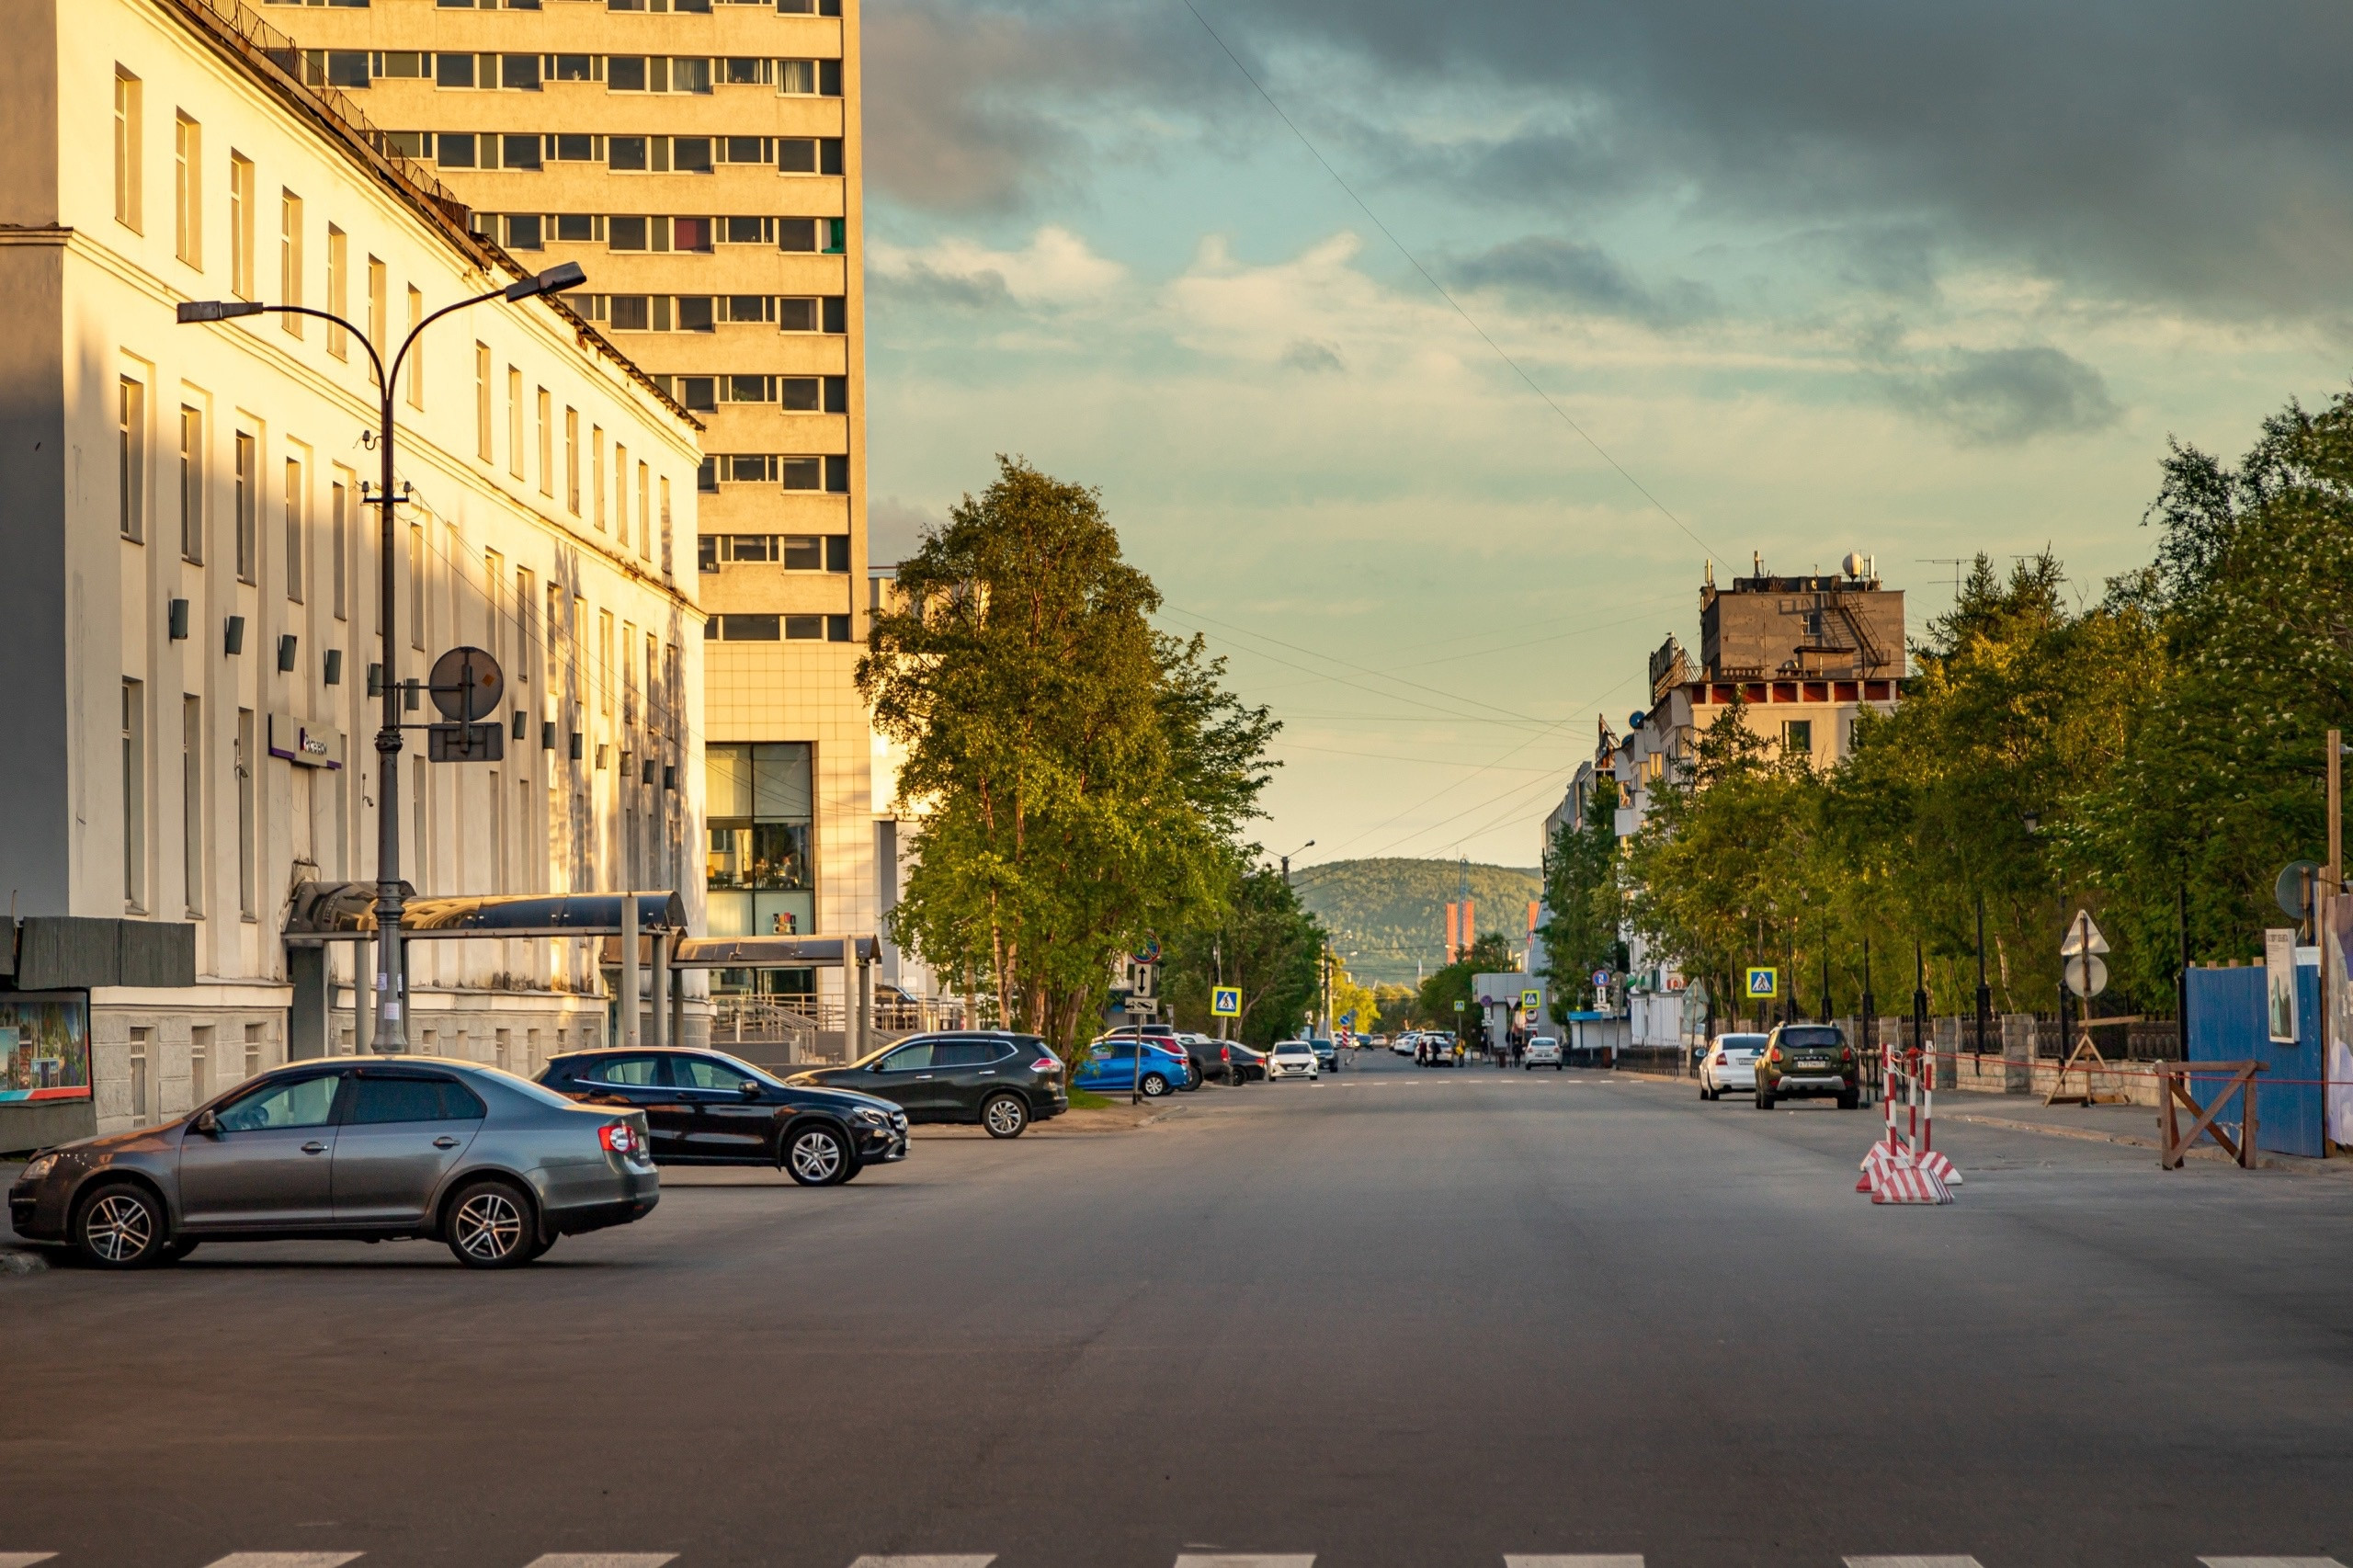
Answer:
(419, 331)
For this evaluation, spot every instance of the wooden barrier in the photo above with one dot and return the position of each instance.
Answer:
(2173, 1079)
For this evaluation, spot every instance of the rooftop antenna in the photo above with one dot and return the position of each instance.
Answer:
(1955, 561)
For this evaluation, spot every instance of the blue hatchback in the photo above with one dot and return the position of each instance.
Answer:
(1109, 1067)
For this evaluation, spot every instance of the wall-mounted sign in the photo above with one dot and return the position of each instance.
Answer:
(303, 744)
(44, 1046)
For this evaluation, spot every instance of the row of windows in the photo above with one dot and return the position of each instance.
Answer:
(826, 475)
(776, 629)
(660, 234)
(794, 553)
(795, 394)
(359, 68)
(704, 313)
(532, 152)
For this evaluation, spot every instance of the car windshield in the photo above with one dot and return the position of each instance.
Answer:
(1292, 1048)
(1819, 1035)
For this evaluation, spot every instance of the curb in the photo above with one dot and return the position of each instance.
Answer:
(2093, 1135)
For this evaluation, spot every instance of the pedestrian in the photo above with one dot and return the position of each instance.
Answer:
(1519, 1047)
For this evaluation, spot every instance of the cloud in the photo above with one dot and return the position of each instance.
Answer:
(1056, 267)
(2004, 396)
(1586, 279)
(1311, 354)
(894, 529)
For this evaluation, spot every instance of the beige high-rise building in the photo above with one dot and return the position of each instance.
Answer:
(700, 159)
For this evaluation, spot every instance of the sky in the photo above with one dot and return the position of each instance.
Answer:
(1425, 355)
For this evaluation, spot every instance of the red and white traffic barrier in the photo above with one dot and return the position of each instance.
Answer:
(1901, 1167)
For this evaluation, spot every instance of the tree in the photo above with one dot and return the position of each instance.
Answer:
(1584, 901)
(1263, 942)
(1076, 777)
(1350, 998)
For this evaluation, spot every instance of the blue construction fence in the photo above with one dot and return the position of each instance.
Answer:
(2229, 1022)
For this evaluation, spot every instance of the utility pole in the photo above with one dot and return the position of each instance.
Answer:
(1985, 991)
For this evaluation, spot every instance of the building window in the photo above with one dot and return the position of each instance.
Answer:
(482, 403)
(191, 484)
(572, 460)
(188, 191)
(416, 350)
(247, 761)
(604, 660)
(338, 288)
(192, 805)
(621, 494)
(241, 281)
(134, 795)
(249, 504)
(130, 419)
(295, 518)
(546, 410)
(1797, 736)
(758, 872)
(378, 293)
(415, 588)
(290, 259)
(596, 474)
(514, 422)
(339, 521)
(127, 148)
(645, 514)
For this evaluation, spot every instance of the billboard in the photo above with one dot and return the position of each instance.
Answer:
(44, 1046)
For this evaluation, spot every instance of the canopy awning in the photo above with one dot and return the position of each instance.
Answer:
(346, 912)
(774, 952)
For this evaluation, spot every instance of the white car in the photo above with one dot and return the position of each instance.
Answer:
(1293, 1059)
(1730, 1065)
(1543, 1051)
(1403, 1044)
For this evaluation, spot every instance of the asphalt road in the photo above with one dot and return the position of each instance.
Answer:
(1399, 1319)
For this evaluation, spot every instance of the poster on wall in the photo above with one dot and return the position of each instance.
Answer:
(2280, 984)
(44, 1046)
(2337, 970)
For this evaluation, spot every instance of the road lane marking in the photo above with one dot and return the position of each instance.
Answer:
(602, 1559)
(24, 1559)
(285, 1560)
(1246, 1560)
(1577, 1560)
(1911, 1563)
(2271, 1562)
(982, 1560)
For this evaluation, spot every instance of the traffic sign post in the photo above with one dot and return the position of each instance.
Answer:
(2081, 955)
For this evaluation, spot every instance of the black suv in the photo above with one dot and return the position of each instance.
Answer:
(1005, 1082)
(1807, 1059)
(705, 1108)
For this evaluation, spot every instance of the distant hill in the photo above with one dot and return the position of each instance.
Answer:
(1391, 912)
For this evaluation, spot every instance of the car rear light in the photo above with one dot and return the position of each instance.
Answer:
(1224, 1054)
(620, 1138)
(1049, 1063)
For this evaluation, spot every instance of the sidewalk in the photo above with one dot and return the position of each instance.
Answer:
(2133, 1125)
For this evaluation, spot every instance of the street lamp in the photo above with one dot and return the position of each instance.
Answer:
(1301, 850)
(392, 1029)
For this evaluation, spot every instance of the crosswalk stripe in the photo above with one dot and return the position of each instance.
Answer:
(24, 1559)
(982, 1560)
(285, 1560)
(602, 1559)
(2271, 1562)
(1911, 1563)
(1245, 1559)
(1577, 1560)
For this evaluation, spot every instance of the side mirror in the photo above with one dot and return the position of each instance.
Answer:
(207, 1124)
(751, 1088)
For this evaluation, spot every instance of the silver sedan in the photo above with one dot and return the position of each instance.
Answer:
(365, 1149)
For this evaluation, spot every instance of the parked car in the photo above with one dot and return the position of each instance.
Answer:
(1803, 1060)
(1730, 1062)
(1403, 1045)
(1327, 1055)
(1543, 1051)
(1212, 1058)
(1293, 1059)
(1003, 1082)
(490, 1164)
(1438, 1051)
(1166, 1035)
(1249, 1063)
(706, 1107)
(1110, 1067)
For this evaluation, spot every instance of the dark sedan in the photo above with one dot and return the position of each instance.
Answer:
(1249, 1065)
(705, 1108)
(369, 1150)
(1003, 1082)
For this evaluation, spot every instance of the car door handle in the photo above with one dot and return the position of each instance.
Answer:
(923, 1077)
(315, 1147)
(445, 1141)
(988, 1072)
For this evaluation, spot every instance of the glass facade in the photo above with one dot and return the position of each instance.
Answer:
(761, 879)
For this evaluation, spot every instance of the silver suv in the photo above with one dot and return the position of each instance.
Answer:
(365, 1149)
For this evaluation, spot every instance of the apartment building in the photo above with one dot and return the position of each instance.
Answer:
(191, 617)
(700, 159)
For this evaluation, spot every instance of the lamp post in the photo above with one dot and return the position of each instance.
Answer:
(390, 1036)
(1301, 850)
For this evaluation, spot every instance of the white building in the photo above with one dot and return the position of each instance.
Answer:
(191, 607)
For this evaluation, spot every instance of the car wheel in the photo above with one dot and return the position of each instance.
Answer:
(491, 1226)
(120, 1226)
(817, 1156)
(1005, 1116)
(1154, 1086)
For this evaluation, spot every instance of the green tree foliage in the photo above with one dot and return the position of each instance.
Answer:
(1078, 778)
(2168, 736)
(1584, 901)
(1263, 941)
(1492, 953)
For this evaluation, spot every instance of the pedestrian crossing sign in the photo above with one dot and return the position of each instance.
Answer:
(1225, 1001)
(1764, 985)
(1530, 1001)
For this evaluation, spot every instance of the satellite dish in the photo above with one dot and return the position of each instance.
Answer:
(1854, 563)
(1634, 720)
(2294, 891)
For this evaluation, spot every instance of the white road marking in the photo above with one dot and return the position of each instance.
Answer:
(1577, 1560)
(24, 1559)
(285, 1560)
(2271, 1562)
(602, 1559)
(1911, 1563)
(981, 1560)
(1246, 1560)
